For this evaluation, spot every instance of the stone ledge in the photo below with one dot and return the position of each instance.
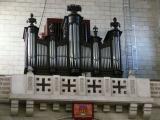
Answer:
(4, 100)
(83, 98)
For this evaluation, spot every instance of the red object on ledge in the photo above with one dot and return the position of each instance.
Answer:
(83, 111)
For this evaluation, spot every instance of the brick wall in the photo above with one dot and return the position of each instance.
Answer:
(142, 55)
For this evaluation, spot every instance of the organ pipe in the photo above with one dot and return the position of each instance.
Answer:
(96, 45)
(30, 36)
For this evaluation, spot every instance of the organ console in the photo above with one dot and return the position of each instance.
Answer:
(68, 48)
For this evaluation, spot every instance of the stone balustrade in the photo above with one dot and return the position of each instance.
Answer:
(70, 88)
(133, 92)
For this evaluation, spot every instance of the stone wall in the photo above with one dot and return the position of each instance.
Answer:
(140, 45)
(143, 45)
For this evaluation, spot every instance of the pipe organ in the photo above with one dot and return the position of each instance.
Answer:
(67, 47)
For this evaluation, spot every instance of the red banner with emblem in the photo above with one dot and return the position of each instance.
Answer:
(83, 111)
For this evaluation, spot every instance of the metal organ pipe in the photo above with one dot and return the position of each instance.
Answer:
(41, 55)
(78, 46)
(88, 57)
(95, 56)
(82, 56)
(38, 55)
(74, 40)
(96, 51)
(62, 56)
(30, 50)
(74, 22)
(30, 37)
(85, 57)
(119, 54)
(58, 56)
(45, 54)
(70, 46)
(103, 63)
(109, 57)
(25, 37)
(51, 53)
(113, 51)
(66, 56)
(116, 50)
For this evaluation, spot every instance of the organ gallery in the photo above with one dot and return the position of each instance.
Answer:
(68, 47)
(71, 73)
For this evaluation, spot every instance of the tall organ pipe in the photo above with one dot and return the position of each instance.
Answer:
(73, 22)
(111, 50)
(96, 45)
(30, 36)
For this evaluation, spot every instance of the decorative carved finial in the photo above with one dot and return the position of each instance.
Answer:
(115, 24)
(51, 28)
(131, 74)
(30, 69)
(31, 20)
(95, 30)
(74, 8)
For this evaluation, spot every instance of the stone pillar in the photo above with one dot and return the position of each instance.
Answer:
(119, 108)
(128, 56)
(147, 110)
(68, 107)
(95, 108)
(30, 82)
(29, 107)
(56, 85)
(106, 108)
(56, 107)
(133, 111)
(107, 86)
(43, 106)
(81, 85)
(14, 107)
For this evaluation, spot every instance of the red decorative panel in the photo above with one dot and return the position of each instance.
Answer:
(51, 21)
(83, 111)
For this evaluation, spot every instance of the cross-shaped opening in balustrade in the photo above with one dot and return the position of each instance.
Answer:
(94, 86)
(43, 84)
(69, 85)
(119, 87)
